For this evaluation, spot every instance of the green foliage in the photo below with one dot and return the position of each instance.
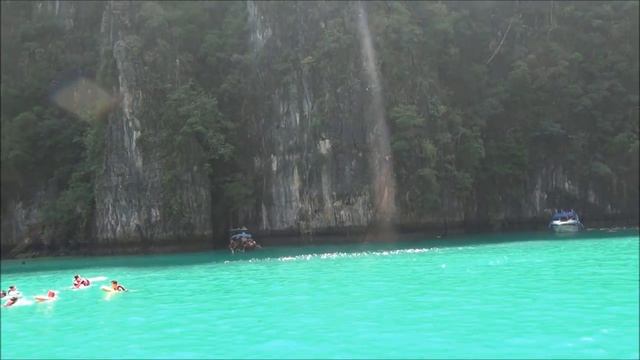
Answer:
(71, 212)
(193, 133)
(192, 114)
(415, 159)
(480, 96)
(43, 146)
(556, 94)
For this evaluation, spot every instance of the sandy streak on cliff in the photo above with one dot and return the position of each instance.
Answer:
(380, 150)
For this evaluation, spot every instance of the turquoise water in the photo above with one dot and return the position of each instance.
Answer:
(493, 296)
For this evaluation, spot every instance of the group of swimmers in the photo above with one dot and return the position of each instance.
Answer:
(78, 282)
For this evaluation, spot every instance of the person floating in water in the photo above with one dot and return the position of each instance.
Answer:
(11, 301)
(116, 287)
(14, 292)
(79, 281)
(51, 295)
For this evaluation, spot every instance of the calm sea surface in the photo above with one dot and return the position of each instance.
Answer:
(490, 296)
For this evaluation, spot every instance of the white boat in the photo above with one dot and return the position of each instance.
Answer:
(565, 221)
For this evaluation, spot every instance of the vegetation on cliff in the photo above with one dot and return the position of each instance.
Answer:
(483, 98)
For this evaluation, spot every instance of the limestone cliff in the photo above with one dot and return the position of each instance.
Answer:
(304, 106)
(312, 159)
(130, 194)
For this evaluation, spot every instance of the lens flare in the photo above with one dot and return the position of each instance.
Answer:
(83, 97)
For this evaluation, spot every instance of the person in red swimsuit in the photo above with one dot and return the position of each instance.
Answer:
(79, 281)
(116, 287)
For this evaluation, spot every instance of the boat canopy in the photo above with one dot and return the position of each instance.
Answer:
(564, 214)
(241, 232)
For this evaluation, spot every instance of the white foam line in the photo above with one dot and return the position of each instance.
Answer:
(337, 255)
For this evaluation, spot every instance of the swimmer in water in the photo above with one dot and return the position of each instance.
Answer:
(79, 281)
(51, 295)
(14, 292)
(116, 287)
(11, 301)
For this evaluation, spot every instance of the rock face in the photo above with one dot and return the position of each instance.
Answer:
(317, 131)
(312, 159)
(22, 227)
(308, 183)
(312, 132)
(129, 191)
(65, 10)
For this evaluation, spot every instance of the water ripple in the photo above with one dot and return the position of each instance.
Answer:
(577, 297)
